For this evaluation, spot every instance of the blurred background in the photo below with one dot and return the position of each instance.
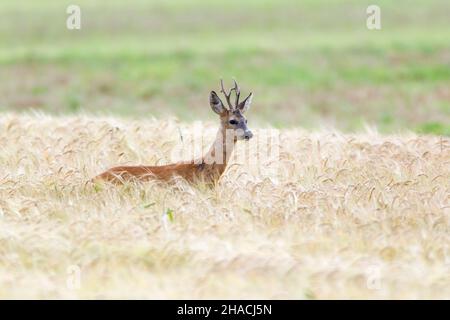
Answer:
(310, 63)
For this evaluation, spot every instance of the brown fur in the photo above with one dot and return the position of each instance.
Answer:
(189, 171)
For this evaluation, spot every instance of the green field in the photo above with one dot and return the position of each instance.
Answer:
(309, 63)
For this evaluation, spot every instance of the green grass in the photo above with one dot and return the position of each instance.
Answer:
(309, 63)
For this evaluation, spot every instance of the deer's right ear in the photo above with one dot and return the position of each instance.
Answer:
(215, 103)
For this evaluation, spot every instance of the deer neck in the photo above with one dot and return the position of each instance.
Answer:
(222, 148)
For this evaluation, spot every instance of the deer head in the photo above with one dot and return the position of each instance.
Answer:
(232, 117)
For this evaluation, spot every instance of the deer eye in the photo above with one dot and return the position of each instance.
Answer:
(233, 122)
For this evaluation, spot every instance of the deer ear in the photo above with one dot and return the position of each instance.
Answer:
(215, 103)
(245, 105)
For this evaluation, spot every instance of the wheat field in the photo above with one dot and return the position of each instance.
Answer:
(345, 216)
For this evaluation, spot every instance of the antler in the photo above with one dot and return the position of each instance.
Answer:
(236, 89)
(227, 96)
(238, 93)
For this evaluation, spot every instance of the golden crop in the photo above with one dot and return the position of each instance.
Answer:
(343, 216)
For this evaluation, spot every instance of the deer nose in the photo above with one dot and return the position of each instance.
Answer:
(248, 135)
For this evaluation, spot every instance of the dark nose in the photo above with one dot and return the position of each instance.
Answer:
(248, 135)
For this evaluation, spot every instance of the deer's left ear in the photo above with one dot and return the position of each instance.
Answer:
(215, 103)
(245, 105)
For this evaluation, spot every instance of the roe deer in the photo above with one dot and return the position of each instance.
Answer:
(233, 127)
